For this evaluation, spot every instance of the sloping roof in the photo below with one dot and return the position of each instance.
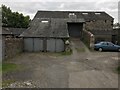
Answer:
(52, 29)
(87, 15)
(6, 31)
(12, 31)
(56, 27)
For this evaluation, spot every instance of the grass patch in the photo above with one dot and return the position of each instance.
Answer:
(67, 52)
(80, 49)
(6, 83)
(0, 67)
(9, 67)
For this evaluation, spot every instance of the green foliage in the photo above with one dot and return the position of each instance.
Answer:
(8, 67)
(67, 52)
(14, 19)
(116, 24)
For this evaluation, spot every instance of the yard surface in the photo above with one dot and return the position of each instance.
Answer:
(81, 69)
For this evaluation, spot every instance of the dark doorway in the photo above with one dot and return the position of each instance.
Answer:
(75, 29)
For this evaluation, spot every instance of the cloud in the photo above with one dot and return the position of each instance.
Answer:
(78, 5)
(62, 5)
(58, 1)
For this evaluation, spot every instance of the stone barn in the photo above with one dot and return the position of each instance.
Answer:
(11, 42)
(49, 30)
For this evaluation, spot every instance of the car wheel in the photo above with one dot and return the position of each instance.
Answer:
(100, 49)
(118, 49)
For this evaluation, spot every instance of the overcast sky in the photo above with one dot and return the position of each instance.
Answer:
(30, 7)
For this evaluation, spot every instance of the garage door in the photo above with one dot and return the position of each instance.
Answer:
(51, 45)
(28, 44)
(55, 45)
(59, 45)
(33, 44)
(38, 44)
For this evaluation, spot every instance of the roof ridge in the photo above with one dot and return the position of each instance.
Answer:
(91, 11)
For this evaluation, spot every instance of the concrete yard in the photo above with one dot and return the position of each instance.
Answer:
(83, 69)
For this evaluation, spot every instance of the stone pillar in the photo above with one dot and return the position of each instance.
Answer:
(92, 40)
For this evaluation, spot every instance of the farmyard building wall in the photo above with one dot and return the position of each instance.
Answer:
(13, 46)
(54, 24)
(99, 25)
(100, 28)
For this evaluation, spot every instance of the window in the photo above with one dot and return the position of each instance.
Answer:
(97, 13)
(71, 14)
(85, 13)
(103, 43)
(44, 21)
(110, 44)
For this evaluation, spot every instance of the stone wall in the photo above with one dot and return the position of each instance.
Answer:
(13, 46)
(88, 38)
(103, 37)
(99, 25)
(116, 32)
(100, 28)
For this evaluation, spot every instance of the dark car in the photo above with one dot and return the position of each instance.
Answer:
(106, 46)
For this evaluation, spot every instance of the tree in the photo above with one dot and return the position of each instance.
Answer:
(14, 19)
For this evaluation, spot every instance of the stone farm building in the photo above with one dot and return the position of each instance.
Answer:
(49, 30)
(11, 42)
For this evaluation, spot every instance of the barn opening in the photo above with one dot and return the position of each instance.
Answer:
(75, 29)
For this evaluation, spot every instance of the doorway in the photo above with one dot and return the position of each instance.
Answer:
(75, 29)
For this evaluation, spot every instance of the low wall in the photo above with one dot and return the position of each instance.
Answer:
(88, 38)
(99, 38)
(12, 47)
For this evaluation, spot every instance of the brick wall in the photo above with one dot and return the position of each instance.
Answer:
(13, 46)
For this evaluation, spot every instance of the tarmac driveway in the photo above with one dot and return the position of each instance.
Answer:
(79, 70)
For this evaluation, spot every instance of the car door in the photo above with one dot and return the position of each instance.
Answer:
(111, 46)
(114, 47)
(104, 46)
